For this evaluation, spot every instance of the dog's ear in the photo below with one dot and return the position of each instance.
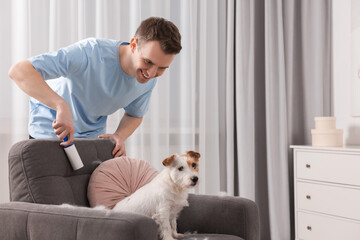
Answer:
(168, 161)
(193, 154)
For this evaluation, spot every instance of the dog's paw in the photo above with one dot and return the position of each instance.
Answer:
(178, 235)
(168, 238)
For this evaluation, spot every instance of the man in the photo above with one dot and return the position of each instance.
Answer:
(93, 78)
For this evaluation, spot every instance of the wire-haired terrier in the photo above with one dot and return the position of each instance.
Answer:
(166, 195)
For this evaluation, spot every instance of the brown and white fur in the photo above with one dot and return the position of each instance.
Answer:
(166, 195)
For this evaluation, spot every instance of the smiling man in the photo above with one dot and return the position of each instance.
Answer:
(74, 89)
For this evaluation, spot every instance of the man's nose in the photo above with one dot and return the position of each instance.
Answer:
(152, 71)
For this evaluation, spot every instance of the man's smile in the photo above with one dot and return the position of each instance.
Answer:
(145, 76)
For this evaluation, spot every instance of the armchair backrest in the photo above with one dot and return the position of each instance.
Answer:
(39, 171)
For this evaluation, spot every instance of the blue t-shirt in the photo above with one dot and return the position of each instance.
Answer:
(89, 77)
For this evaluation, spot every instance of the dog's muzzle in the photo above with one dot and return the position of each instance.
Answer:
(194, 180)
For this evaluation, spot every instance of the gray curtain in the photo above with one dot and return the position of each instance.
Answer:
(278, 78)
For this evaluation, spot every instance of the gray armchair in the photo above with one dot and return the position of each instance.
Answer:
(41, 178)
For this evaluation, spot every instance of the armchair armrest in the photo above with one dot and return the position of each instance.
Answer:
(20, 220)
(221, 215)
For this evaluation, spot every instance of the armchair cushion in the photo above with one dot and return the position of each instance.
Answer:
(117, 179)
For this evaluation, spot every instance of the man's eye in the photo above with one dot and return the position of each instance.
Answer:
(147, 61)
(181, 168)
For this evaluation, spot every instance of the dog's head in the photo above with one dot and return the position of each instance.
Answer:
(184, 169)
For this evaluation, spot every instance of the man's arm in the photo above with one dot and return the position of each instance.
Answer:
(32, 83)
(127, 126)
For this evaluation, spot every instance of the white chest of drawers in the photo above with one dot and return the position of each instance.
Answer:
(327, 193)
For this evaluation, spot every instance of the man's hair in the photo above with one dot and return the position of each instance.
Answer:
(162, 30)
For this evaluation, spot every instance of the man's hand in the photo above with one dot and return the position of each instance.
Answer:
(63, 125)
(126, 127)
(119, 149)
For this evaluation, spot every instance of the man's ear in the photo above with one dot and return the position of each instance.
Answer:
(133, 44)
(193, 154)
(168, 161)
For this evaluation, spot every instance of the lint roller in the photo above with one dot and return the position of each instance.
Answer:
(73, 155)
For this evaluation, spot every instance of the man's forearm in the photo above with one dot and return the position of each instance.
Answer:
(127, 126)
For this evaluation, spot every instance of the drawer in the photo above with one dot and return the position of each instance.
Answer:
(317, 227)
(328, 167)
(337, 201)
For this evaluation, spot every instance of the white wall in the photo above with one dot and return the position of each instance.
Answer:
(342, 72)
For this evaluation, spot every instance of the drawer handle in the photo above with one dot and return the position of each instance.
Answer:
(308, 166)
(308, 197)
(309, 228)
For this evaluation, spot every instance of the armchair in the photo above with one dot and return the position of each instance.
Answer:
(41, 178)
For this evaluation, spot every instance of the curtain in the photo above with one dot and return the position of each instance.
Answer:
(278, 78)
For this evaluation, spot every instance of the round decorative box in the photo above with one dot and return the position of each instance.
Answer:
(325, 133)
(325, 123)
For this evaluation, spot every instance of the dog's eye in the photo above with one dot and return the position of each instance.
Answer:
(193, 165)
(181, 168)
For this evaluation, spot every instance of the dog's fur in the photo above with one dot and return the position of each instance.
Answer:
(165, 196)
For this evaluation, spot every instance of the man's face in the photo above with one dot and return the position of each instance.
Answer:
(149, 60)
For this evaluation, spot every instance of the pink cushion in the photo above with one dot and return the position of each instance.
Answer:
(115, 179)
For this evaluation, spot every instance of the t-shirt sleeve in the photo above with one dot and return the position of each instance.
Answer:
(140, 106)
(61, 63)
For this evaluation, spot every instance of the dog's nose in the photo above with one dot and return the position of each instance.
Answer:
(195, 179)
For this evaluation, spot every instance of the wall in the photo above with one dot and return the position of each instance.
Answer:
(341, 10)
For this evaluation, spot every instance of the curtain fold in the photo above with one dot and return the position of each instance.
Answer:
(229, 101)
(208, 96)
(20, 22)
(276, 121)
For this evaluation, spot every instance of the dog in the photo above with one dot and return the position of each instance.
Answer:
(166, 195)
